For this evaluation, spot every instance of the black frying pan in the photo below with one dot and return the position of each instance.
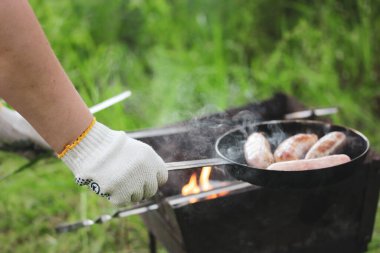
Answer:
(230, 147)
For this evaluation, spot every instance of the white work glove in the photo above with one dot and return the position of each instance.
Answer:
(14, 129)
(116, 166)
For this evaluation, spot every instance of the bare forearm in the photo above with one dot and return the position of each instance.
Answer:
(33, 81)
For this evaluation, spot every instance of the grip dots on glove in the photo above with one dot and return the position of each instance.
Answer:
(92, 185)
(77, 141)
(96, 188)
(82, 181)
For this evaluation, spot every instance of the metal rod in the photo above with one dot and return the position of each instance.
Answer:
(231, 187)
(63, 228)
(195, 163)
(154, 132)
(150, 206)
(135, 211)
(111, 101)
(312, 112)
(152, 243)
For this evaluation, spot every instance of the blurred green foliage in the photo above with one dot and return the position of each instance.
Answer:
(180, 56)
(184, 58)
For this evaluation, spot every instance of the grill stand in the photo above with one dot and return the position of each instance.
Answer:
(351, 205)
(164, 225)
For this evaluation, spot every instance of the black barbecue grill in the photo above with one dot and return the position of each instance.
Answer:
(249, 218)
(236, 216)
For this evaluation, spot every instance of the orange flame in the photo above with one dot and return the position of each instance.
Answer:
(204, 179)
(205, 182)
(192, 186)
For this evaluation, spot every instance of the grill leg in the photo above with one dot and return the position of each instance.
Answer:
(152, 243)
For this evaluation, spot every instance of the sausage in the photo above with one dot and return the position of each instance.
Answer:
(295, 147)
(310, 164)
(329, 144)
(257, 151)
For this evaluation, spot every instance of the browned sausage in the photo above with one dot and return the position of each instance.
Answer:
(257, 151)
(329, 144)
(310, 164)
(295, 147)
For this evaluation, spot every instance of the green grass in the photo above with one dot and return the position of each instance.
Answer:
(182, 59)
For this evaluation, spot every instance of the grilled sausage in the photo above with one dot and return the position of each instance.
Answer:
(257, 151)
(329, 144)
(310, 164)
(295, 147)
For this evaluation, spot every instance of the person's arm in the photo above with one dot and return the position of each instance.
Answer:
(33, 81)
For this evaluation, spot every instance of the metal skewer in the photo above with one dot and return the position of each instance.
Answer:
(109, 102)
(150, 206)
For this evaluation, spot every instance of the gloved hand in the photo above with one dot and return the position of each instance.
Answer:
(115, 166)
(14, 129)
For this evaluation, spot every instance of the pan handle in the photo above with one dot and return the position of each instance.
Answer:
(183, 165)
